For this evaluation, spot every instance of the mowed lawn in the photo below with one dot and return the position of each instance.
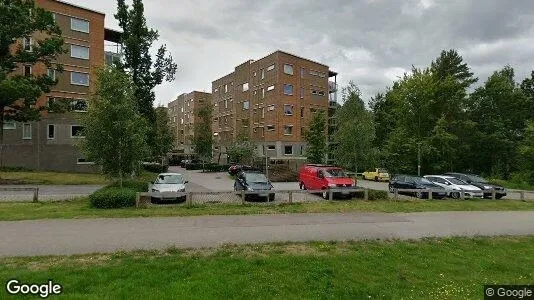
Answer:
(454, 268)
(58, 178)
(80, 208)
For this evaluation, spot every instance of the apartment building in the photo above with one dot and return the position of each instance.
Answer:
(183, 117)
(271, 101)
(50, 144)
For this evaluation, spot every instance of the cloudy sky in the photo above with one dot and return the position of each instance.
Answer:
(370, 41)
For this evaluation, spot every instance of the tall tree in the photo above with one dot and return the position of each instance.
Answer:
(242, 150)
(526, 152)
(450, 63)
(114, 131)
(203, 137)
(19, 20)
(316, 139)
(163, 136)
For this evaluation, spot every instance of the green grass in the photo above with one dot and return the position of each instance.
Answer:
(453, 268)
(513, 184)
(58, 178)
(80, 208)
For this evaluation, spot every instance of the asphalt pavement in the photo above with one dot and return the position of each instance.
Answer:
(65, 237)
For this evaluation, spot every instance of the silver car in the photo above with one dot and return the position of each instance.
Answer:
(455, 186)
(168, 187)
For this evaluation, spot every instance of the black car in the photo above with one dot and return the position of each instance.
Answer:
(234, 169)
(254, 181)
(480, 183)
(416, 183)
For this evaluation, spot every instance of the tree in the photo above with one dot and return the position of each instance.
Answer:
(526, 152)
(316, 139)
(356, 131)
(115, 133)
(450, 63)
(163, 139)
(242, 150)
(203, 138)
(19, 93)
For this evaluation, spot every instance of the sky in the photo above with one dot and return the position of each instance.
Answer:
(370, 42)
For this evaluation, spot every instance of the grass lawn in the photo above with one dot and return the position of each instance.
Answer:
(453, 268)
(514, 185)
(58, 178)
(80, 208)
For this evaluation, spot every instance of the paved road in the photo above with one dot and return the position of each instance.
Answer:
(61, 237)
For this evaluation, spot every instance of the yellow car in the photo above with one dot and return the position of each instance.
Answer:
(377, 174)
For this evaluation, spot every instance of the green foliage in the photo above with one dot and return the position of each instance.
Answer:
(162, 137)
(22, 19)
(155, 167)
(115, 134)
(356, 132)
(203, 138)
(113, 197)
(134, 185)
(526, 152)
(316, 139)
(378, 195)
(241, 151)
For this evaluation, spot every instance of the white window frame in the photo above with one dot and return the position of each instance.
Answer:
(288, 69)
(73, 102)
(270, 68)
(26, 135)
(292, 89)
(79, 47)
(226, 104)
(11, 125)
(245, 86)
(271, 148)
(77, 29)
(84, 162)
(273, 128)
(75, 136)
(270, 88)
(246, 105)
(288, 126)
(291, 108)
(226, 88)
(270, 107)
(79, 84)
(48, 71)
(48, 132)
(28, 39)
(262, 74)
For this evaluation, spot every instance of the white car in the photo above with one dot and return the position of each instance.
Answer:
(168, 186)
(455, 185)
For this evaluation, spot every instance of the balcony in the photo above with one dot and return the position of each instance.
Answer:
(332, 87)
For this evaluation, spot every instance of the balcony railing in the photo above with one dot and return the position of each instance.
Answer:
(332, 87)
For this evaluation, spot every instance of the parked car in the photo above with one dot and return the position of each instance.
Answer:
(455, 185)
(377, 174)
(481, 183)
(234, 169)
(254, 181)
(416, 183)
(191, 162)
(166, 185)
(183, 162)
(324, 177)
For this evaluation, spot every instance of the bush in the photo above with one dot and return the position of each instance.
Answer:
(113, 197)
(155, 167)
(216, 168)
(174, 160)
(378, 195)
(137, 186)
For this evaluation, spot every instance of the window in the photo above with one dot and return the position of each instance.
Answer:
(245, 86)
(79, 25)
(51, 73)
(225, 120)
(288, 109)
(314, 92)
(27, 70)
(51, 131)
(288, 150)
(288, 89)
(246, 104)
(263, 113)
(302, 112)
(182, 109)
(288, 69)
(270, 107)
(226, 88)
(302, 72)
(270, 88)
(288, 129)
(320, 93)
(301, 93)
(28, 44)
(84, 161)
(26, 131)
(225, 103)
(254, 74)
(181, 120)
(271, 67)
(270, 127)
(262, 74)
(262, 93)
(79, 78)
(9, 125)
(76, 131)
(271, 147)
(79, 52)
(79, 105)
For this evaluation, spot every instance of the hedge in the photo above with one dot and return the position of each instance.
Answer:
(137, 186)
(155, 168)
(113, 197)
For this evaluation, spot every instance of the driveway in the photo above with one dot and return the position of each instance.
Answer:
(65, 237)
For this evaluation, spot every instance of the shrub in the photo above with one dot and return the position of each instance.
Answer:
(134, 185)
(378, 195)
(155, 167)
(113, 197)
(216, 168)
(174, 160)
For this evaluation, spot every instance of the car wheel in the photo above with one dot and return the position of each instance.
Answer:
(419, 195)
(325, 194)
(301, 186)
(391, 189)
(271, 197)
(376, 178)
(498, 197)
(455, 195)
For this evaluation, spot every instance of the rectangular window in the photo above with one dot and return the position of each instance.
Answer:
(270, 88)
(288, 150)
(182, 109)
(288, 89)
(226, 88)
(28, 44)
(245, 86)
(51, 73)
(246, 104)
(9, 125)
(271, 67)
(181, 120)
(270, 107)
(288, 109)
(302, 72)
(79, 78)
(27, 70)
(262, 93)
(51, 131)
(270, 127)
(80, 52)
(79, 105)
(262, 74)
(288, 69)
(321, 93)
(301, 93)
(302, 112)
(263, 113)
(76, 131)
(84, 161)
(79, 25)
(26, 131)
(288, 129)
(225, 103)
(271, 147)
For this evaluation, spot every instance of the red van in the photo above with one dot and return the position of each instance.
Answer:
(323, 177)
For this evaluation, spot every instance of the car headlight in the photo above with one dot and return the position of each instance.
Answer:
(488, 187)
(249, 189)
(181, 190)
(155, 191)
(331, 185)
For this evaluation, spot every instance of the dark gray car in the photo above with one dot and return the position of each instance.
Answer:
(253, 181)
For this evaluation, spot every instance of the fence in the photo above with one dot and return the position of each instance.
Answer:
(35, 191)
(430, 193)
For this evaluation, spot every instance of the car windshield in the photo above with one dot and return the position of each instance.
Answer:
(256, 178)
(170, 179)
(335, 173)
(457, 181)
(382, 171)
(420, 180)
(475, 178)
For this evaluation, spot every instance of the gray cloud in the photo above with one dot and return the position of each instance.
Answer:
(370, 41)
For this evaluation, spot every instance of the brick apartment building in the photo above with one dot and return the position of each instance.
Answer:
(50, 143)
(183, 117)
(271, 100)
